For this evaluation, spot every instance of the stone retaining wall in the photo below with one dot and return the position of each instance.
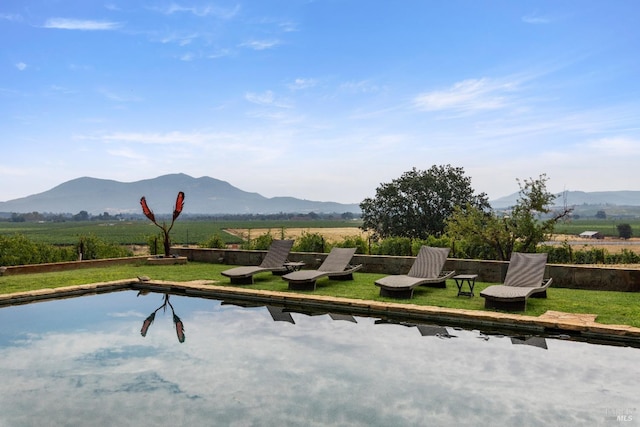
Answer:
(62, 266)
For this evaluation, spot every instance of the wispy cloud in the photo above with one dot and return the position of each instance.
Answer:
(149, 138)
(363, 86)
(260, 44)
(616, 146)
(179, 39)
(300, 83)
(118, 97)
(534, 18)
(21, 66)
(84, 25)
(267, 98)
(126, 153)
(11, 17)
(187, 57)
(219, 53)
(467, 95)
(202, 11)
(288, 27)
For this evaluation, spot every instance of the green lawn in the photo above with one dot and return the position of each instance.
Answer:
(611, 307)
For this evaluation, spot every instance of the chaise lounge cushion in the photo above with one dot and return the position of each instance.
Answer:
(524, 279)
(426, 269)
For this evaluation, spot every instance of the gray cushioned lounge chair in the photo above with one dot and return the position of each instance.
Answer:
(273, 261)
(524, 279)
(426, 270)
(335, 266)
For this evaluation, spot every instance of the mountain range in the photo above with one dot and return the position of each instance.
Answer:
(578, 198)
(203, 195)
(210, 196)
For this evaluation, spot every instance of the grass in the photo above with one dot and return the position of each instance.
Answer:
(611, 307)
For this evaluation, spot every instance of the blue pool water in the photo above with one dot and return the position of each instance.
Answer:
(83, 361)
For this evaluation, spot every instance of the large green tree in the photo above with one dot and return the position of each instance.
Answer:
(521, 228)
(417, 204)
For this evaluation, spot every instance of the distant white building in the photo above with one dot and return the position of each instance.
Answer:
(591, 235)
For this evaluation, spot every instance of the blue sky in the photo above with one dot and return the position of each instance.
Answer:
(320, 100)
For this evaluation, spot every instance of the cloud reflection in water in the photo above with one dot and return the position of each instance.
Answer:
(240, 367)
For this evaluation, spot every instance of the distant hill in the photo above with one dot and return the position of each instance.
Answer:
(578, 198)
(203, 195)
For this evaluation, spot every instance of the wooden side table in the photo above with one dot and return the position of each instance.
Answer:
(469, 279)
(293, 266)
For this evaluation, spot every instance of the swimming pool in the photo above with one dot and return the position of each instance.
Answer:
(80, 360)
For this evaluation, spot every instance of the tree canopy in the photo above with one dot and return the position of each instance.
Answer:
(417, 204)
(521, 228)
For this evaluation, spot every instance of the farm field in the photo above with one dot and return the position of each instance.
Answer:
(330, 234)
(184, 231)
(613, 245)
(607, 227)
(136, 233)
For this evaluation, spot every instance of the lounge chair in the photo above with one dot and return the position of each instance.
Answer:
(273, 261)
(524, 279)
(335, 266)
(426, 270)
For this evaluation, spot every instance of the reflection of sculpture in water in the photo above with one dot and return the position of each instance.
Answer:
(176, 320)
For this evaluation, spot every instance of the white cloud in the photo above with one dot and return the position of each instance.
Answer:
(179, 39)
(534, 18)
(189, 56)
(21, 66)
(301, 83)
(267, 98)
(119, 97)
(77, 24)
(202, 11)
(11, 17)
(260, 44)
(616, 146)
(151, 138)
(467, 95)
(288, 27)
(363, 86)
(127, 153)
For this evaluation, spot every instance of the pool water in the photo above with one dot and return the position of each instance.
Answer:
(84, 361)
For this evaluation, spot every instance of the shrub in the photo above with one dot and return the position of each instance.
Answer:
(260, 243)
(396, 246)
(590, 256)
(558, 254)
(310, 242)
(92, 247)
(353, 242)
(214, 242)
(436, 242)
(18, 250)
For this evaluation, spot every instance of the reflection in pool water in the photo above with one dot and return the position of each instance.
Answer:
(176, 320)
(74, 361)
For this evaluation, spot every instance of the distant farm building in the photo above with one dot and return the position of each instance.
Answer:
(591, 235)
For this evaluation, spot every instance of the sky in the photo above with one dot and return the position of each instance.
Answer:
(320, 100)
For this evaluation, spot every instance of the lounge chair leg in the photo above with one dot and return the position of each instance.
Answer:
(505, 305)
(302, 286)
(242, 280)
(342, 277)
(398, 294)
